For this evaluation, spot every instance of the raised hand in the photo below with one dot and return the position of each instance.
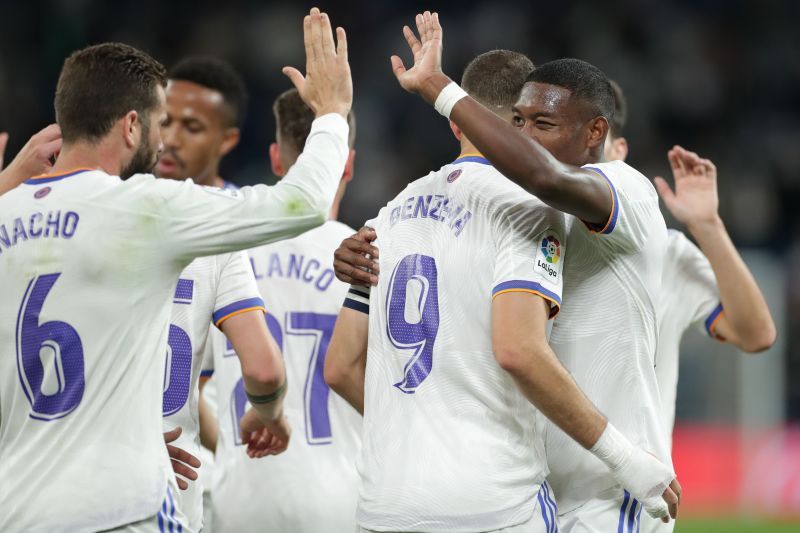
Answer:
(694, 200)
(183, 462)
(427, 52)
(35, 158)
(327, 86)
(264, 438)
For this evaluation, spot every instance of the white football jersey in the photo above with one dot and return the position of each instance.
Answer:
(90, 265)
(313, 485)
(606, 333)
(209, 291)
(690, 297)
(450, 443)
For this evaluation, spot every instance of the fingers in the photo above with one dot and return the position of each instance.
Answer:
(367, 234)
(308, 41)
(436, 27)
(412, 40)
(48, 151)
(672, 503)
(181, 483)
(664, 190)
(183, 456)
(397, 66)
(172, 435)
(326, 37)
(297, 79)
(183, 470)
(50, 133)
(420, 21)
(316, 35)
(341, 43)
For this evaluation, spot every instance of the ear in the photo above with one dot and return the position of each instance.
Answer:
(230, 138)
(275, 160)
(456, 130)
(131, 129)
(598, 129)
(620, 148)
(349, 166)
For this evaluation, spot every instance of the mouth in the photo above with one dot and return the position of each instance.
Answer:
(167, 165)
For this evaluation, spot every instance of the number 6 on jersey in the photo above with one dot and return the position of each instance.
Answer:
(412, 309)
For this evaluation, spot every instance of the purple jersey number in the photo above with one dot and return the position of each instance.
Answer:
(315, 390)
(178, 364)
(419, 333)
(54, 341)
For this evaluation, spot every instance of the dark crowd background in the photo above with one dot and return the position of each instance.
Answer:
(721, 77)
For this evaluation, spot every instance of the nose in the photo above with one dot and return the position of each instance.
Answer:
(169, 136)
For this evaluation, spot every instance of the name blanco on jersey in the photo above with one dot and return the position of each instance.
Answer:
(293, 266)
(435, 207)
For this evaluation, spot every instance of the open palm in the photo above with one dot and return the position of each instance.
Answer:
(427, 50)
(694, 199)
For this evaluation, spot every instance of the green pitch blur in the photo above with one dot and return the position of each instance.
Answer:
(712, 525)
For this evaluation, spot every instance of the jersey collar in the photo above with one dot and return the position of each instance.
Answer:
(472, 158)
(47, 178)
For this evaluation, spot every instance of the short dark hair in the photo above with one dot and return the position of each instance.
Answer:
(219, 76)
(100, 84)
(584, 81)
(620, 111)
(293, 119)
(495, 78)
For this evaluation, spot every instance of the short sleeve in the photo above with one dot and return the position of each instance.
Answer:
(634, 208)
(697, 284)
(531, 250)
(237, 291)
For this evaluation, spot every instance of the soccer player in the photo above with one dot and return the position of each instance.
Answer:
(313, 486)
(616, 257)
(448, 355)
(34, 158)
(205, 105)
(693, 285)
(90, 267)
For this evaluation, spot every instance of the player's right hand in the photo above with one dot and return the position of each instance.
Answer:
(264, 438)
(327, 86)
(427, 52)
(651, 482)
(355, 260)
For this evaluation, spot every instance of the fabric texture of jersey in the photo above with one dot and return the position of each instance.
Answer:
(690, 297)
(90, 267)
(606, 332)
(313, 485)
(209, 291)
(450, 444)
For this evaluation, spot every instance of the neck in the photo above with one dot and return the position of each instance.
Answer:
(467, 147)
(85, 155)
(334, 212)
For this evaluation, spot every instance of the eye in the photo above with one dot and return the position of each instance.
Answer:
(544, 124)
(518, 121)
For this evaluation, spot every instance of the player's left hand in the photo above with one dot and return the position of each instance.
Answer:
(183, 463)
(695, 199)
(263, 438)
(355, 260)
(427, 52)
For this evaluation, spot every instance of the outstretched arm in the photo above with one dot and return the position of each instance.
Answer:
(519, 341)
(521, 159)
(746, 321)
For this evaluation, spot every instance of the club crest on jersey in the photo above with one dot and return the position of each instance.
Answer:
(453, 176)
(41, 193)
(549, 257)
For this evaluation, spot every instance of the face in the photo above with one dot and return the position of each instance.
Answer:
(195, 133)
(150, 146)
(563, 127)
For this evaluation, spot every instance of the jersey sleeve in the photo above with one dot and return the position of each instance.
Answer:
(237, 291)
(198, 221)
(634, 207)
(531, 249)
(698, 284)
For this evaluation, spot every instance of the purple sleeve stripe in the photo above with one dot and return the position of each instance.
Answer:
(207, 373)
(712, 319)
(612, 220)
(356, 305)
(228, 310)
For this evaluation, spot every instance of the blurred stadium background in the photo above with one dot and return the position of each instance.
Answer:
(721, 77)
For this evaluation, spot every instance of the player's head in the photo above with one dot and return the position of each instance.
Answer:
(206, 105)
(616, 146)
(112, 95)
(293, 120)
(567, 105)
(495, 79)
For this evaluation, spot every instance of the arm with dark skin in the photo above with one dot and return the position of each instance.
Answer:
(521, 159)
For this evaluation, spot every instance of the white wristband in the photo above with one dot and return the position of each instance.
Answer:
(451, 94)
(612, 448)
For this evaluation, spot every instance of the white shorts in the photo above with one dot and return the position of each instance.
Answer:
(655, 525)
(621, 514)
(169, 519)
(543, 520)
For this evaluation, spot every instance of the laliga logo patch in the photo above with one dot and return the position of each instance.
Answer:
(41, 193)
(453, 176)
(549, 256)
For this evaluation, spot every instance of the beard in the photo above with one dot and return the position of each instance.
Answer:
(144, 159)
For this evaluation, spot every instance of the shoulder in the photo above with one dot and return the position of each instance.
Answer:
(625, 179)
